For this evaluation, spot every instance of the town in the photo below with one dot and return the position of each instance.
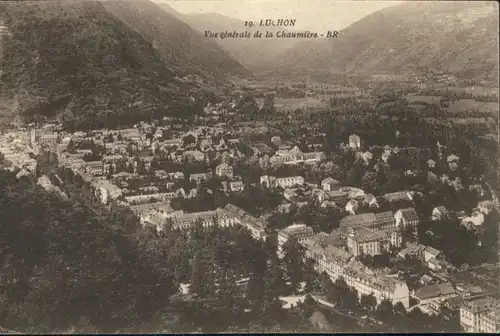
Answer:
(386, 238)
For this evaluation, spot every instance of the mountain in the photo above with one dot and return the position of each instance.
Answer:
(251, 52)
(78, 61)
(181, 47)
(412, 38)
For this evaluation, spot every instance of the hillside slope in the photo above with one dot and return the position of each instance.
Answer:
(77, 61)
(181, 47)
(415, 38)
(251, 52)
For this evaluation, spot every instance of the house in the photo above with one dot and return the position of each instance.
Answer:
(336, 196)
(412, 250)
(398, 196)
(431, 253)
(475, 220)
(107, 191)
(406, 217)
(283, 182)
(160, 173)
(354, 142)
(367, 157)
(439, 213)
(241, 217)
(173, 143)
(194, 155)
(276, 140)
(477, 188)
(330, 184)
(352, 206)
(485, 206)
(224, 170)
(236, 186)
(452, 158)
(436, 293)
(198, 178)
(431, 163)
(295, 231)
(328, 204)
(371, 201)
(95, 168)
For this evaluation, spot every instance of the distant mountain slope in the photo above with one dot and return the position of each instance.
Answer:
(183, 48)
(410, 38)
(251, 52)
(76, 60)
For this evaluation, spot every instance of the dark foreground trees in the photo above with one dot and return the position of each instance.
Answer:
(65, 267)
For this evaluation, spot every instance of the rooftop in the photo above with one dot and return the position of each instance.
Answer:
(435, 290)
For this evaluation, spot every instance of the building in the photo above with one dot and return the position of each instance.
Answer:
(406, 217)
(354, 142)
(436, 292)
(337, 196)
(241, 217)
(94, 168)
(224, 170)
(338, 263)
(361, 241)
(283, 182)
(198, 178)
(297, 231)
(194, 155)
(276, 140)
(330, 184)
(398, 196)
(130, 134)
(49, 139)
(187, 221)
(381, 286)
(296, 156)
(236, 186)
(107, 191)
(480, 315)
(439, 213)
(375, 222)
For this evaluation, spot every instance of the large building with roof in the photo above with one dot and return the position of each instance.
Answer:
(256, 226)
(480, 315)
(339, 263)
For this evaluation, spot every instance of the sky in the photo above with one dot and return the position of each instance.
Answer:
(314, 15)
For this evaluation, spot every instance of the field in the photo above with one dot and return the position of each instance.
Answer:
(463, 105)
(458, 106)
(283, 104)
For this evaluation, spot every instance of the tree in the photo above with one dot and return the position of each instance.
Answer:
(293, 261)
(188, 140)
(385, 311)
(369, 182)
(368, 302)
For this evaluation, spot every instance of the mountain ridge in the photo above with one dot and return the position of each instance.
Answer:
(78, 62)
(408, 38)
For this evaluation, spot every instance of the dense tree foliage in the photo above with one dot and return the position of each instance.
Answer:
(65, 266)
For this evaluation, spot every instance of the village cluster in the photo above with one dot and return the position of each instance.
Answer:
(142, 167)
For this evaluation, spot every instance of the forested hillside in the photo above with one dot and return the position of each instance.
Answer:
(78, 62)
(412, 38)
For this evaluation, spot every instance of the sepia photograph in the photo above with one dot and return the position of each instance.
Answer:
(249, 166)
